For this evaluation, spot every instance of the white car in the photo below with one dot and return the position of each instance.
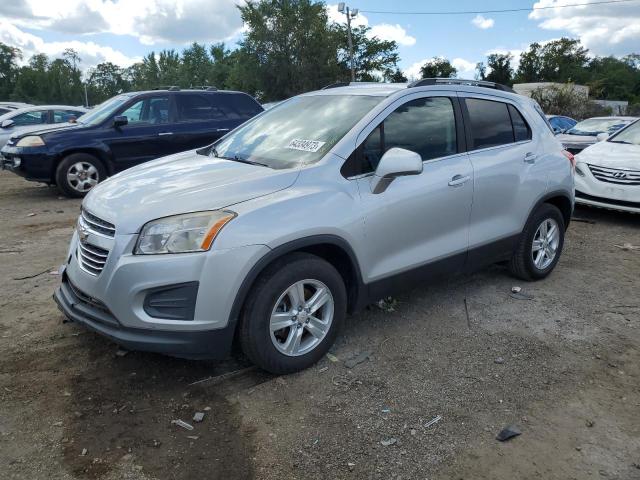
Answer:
(35, 117)
(608, 173)
(583, 134)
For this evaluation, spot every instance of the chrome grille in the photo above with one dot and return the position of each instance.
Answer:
(98, 225)
(91, 258)
(614, 175)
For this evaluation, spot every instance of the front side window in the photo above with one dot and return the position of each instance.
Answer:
(153, 110)
(426, 126)
(490, 123)
(35, 117)
(298, 132)
(631, 135)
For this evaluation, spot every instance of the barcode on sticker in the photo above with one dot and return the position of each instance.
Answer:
(305, 145)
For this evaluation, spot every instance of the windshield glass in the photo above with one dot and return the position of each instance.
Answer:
(593, 126)
(629, 135)
(104, 110)
(299, 131)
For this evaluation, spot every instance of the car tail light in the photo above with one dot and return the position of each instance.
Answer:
(571, 159)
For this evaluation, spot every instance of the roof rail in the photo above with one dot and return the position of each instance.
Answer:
(336, 85)
(460, 81)
(209, 88)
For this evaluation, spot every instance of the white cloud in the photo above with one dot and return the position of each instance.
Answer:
(604, 29)
(91, 53)
(384, 31)
(152, 21)
(466, 68)
(481, 22)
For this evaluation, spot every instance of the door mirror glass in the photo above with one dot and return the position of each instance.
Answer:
(120, 120)
(7, 123)
(602, 136)
(396, 162)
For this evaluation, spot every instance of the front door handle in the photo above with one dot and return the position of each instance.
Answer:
(530, 157)
(458, 180)
(162, 134)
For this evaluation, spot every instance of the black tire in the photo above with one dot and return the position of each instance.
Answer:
(522, 263)
(66, 186)
(254, 330)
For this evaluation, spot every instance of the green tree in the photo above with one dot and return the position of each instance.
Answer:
(196, 66)
(530, 67)
(563, 60)
(9, 57)
(500, 70)
(170, 70)
(438, 67)
(105, 80)
(32, 83)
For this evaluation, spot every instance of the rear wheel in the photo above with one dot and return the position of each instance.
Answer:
(78, 173)
(540, 244)
(293, 313)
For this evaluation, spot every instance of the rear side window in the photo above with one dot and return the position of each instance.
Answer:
(193, 107)
(521, 130)
(35, 117)
(426, 126)
(490, 123)
(237, 106)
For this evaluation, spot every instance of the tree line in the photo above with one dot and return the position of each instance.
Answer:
(290, 47)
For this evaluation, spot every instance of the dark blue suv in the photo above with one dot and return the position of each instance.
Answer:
(126, 130)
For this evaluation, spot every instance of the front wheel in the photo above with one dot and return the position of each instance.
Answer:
(540, 244)
(293, 313)
(78, 173)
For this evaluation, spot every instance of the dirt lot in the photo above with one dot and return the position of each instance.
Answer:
(564, 367)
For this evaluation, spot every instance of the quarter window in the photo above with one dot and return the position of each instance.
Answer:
(521, 130)
(197, 108)
(426, 126)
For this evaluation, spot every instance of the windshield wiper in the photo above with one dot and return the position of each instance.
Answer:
(620, 141)
(237, 158)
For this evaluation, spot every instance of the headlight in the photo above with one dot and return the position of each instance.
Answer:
(30, 141)
(191, 232)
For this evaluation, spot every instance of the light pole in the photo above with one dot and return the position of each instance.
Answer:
(342, 8)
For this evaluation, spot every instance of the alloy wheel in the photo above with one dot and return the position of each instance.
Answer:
(545, 243)
(82, 176)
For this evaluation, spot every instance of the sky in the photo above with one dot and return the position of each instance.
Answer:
(122, 31)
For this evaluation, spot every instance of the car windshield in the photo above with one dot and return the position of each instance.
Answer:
(593, 126)
(103, 111)
(630, 135)
(299, 131)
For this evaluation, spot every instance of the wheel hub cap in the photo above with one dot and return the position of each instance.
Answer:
(545, 243)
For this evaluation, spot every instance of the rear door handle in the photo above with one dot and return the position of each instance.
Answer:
(458, 180)
(162, 134)
(530, 157)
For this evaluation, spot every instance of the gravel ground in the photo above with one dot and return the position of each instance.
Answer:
(564, 367)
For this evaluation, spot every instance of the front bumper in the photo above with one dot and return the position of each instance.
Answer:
(114, 302)
(34, 164)
(79, 308)
(598, 193)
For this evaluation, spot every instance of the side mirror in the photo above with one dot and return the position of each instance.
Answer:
(602, 136)
(120, 121)
(396, 162)
(7, 123)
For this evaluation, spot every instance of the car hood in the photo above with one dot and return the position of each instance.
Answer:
(181, 183)
(42, 129)
(612, 155)
(567, 139)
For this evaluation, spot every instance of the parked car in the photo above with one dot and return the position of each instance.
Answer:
(608, 173)
(584, 133)
(29, 119)
(6, 107)
(560, 123)
(332, 200)
(124, 131)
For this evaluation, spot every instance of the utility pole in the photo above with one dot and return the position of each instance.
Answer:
(86, 97)
(342, 8)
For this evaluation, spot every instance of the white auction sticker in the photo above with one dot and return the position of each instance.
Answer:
(305, 145)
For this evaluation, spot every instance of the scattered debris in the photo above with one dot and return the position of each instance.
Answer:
(412, 432)
(224, 376)
(182, 424)
(54, 272)
(121, 352)
(198, 417)
(206, 409)
(351, 465)
(499, 360)
(332, 358)
(389, 441)
(627, 246)
(433, 421)
(357, 359)
(57, 424)
(323, 369)
(521, 296)
(516, 289)
(508, 433)
(386, 410)
(387, 304)
(590, 423)
(33, 276)
(193, 437)
(31, 214)
(84, 452)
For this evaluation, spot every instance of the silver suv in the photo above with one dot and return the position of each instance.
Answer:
(313, 209)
